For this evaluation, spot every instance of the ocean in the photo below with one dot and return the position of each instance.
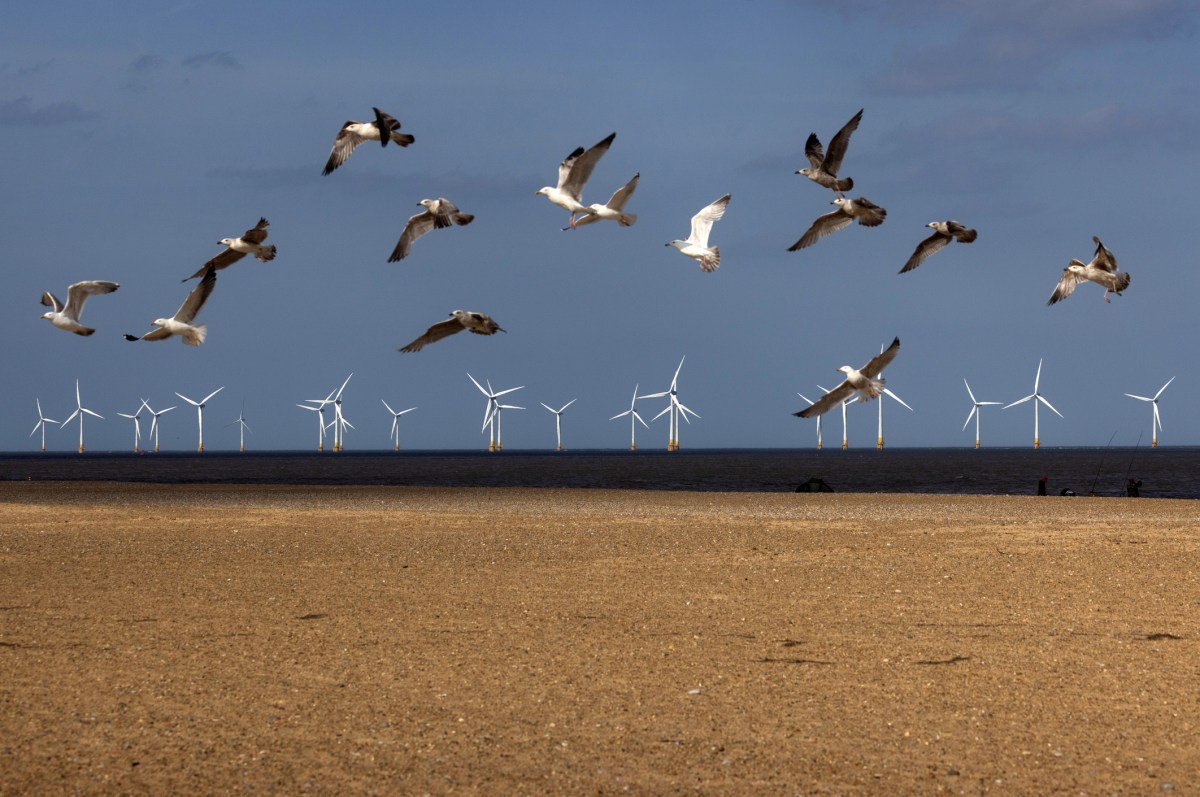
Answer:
(1167, 472)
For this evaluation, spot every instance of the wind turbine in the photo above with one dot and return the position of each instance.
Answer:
(846, 403)
(633, 418)
(396, 422)
(80, 410)
(41, 424)
(886, 392)
(1039, 398)
(489, 411)
(674, 409)
(1155, 423)
(154, 422)
(810, 402)
(339, 423)
(243, 427)
(320, 411)
(199, 405)
(975, 411)
(137, 425)
(496, 418)
(558, 420)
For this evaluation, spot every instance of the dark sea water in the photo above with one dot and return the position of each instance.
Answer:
(1168, 472)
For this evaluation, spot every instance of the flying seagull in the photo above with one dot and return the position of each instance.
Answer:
(865, 380)
(943, 233)
(67, 316)
(825, 165)
(867, 212)
(438, 213)
(573, 172)
(613, 209)
(1102, 271)
(479, 323)
(251, 243)
(181, 323)
(354, 133)
(696, 246)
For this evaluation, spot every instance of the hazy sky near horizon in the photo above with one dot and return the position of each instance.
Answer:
(140, 134)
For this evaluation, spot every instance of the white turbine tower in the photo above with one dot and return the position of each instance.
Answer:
(674, 409)
(1037, 443)
(634, 418)
(496, 418)
(41, 424)
(558, 420)
(886, 392)
(810, 403)
(1155, 422)
(975, 411)
(320, 411)
(243, 427)
(80, 410)
(199, 405)
(137, 425)
(339, 422)
(490, 410)
(396, 422)
(154, 422)
(846, 403)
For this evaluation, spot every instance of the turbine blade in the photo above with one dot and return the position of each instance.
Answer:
(969, 393)
(389, 409)
(188, 400)
(1020, 401)
(1051, 406)
(481, 390)
(210, 395)
(897, 398)
(1037, 378)
(970, 415)
(1139, 398)
(1164, 387)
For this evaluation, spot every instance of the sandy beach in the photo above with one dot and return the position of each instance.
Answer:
(159, 639)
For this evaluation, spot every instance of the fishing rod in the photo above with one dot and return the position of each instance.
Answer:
(1131, 456)
(1093, 490)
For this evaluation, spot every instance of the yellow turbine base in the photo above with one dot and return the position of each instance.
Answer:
(977, 444)
(1037, 443)
(879, 444)
(633, 446)
(81, 448)
(200, 448)
(845, 445)
(1154, 443)
(818, 446)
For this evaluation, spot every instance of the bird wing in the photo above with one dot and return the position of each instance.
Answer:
(880, 361)
(813, 151)
(837, 146)
(226, 258)
(158, 333)
(702, 222)
(578, 168)
(482, 324)
(51, 301)
(924, 249)
(827, 402)
(622, 194)
(343, 145)
(824, 225)
(417, 225)
(1103, 259)
(1066, 286)
(78, 293)
(440, 330)
(196, 299)
(258, 233)
(388, 125)
(960, 232)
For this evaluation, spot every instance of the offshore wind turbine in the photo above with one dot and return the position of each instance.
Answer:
(886, 392)
(674, 409)
(320, 411)
(975, 411)
(154, 422)
(41, 424)
(137, 425)
(558, 420)
(810, 403)
(634, 418)
(396, 422)
(846, 403)
(489, 410)
(80, 410)
(1155, 422)
(496, 418)
(339, 422)
(1038, 398)
(243, 427)
(199, 405)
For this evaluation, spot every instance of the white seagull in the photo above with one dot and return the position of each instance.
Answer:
(696, 246)
(479, 323)
(573, 173)
(438, 213)
(181, 323)
(1102, 271)
(251, 243)
(865, 380)
(613, 209)
(943, 233)
(67, 316)
(354, 133)
(864, 210)
(825, 165)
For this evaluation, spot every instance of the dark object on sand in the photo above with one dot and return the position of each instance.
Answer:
(1067, 491)
(814, 485)
(1042, 486)
(1133, 488)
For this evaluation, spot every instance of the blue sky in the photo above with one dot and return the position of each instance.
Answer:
(138, 137)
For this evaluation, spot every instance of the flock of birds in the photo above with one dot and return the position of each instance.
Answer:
(573, 174)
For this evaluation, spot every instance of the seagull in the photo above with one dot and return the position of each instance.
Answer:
(1102, 271)
(943, 232)
(696, 246)
(438, 213)
(354, 133)
(613, 208)
(479, 323)
(67, 316)
(867, 212)
(251, 243)
(865, 380)
(825, 165)
(181, 323)
(573, 172)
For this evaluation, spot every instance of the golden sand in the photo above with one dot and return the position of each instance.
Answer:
(336, 640)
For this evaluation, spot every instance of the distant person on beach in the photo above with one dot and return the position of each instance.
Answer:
(1133, 488)
(1042, 486)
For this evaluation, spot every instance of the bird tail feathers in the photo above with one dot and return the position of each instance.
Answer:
(712, 260)
(844, 184)
(627, 219)
(463, 219)
(264, 254)
(196, 336)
